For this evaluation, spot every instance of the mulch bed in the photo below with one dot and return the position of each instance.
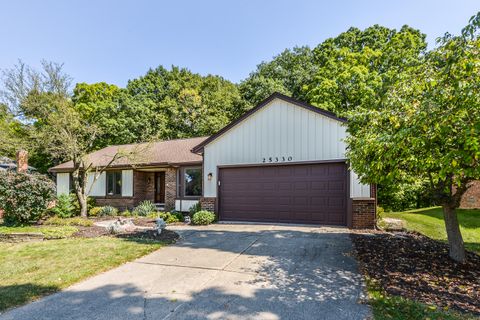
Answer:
(416, 267)
(96, 231)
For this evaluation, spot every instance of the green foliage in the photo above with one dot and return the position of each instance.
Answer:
(144, 208)
(195, 208)
(287, 73)
(76, 221)
(63, 207)
(95, 211)
(126, 213)
(203, 217)
(427, 127)
(108, 211)
(58, 232)
(405, 196)
(25, 197)
(171, 217)
(76, 204)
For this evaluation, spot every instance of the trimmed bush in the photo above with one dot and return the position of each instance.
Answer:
(170, 217)
(94, 212)
(126, 213)
(108, 211)
(203, 217)
(144, 208)
(63, 207)
(77, 221)
(25, 197)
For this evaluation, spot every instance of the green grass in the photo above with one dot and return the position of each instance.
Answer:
(50, 232)
(397, 308)
(430, 222)
(31, 270)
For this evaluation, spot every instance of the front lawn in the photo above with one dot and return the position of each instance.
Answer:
(430, 222)
(31, 270)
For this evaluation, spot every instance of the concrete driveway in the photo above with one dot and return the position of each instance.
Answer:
(223, 271)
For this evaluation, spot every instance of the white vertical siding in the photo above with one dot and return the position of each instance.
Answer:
(357, 189)
(63, 183)
(127, 183)
(99, 187)
(280, 129)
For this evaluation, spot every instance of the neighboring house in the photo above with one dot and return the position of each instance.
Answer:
(9, 164)
(471, 198)
(282, 161)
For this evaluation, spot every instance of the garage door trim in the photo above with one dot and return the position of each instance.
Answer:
(347, 181)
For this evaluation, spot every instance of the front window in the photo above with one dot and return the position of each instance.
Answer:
(192, 182)
(114, 183)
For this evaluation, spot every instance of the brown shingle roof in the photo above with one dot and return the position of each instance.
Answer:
(160, 153)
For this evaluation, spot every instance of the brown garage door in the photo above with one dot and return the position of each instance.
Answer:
(309, 193)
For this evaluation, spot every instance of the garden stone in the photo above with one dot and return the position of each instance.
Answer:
(160, 225)
(121, 226)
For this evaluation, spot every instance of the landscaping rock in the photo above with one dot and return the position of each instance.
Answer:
(160, 225)
(392, 224)
(121, 226)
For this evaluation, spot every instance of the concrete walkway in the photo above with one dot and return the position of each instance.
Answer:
(224, 271)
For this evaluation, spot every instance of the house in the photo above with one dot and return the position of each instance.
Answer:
(9, 164)
(282, 161)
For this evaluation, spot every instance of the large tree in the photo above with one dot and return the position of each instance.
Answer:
(355, 68)
(191, 104)
(428, 127)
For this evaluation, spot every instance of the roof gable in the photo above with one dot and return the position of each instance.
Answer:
(276, 95)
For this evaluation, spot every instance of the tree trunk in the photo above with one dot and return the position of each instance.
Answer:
(455, 240)
(82, 200)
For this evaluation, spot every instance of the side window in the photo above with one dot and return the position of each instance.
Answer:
(114, 183)
(192, 182)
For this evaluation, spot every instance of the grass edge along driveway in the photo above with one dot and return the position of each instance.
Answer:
(31, 270)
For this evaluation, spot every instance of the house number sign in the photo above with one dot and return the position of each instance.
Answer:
(277, 159)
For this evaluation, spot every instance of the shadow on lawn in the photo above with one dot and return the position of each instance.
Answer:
(285, 274)
(19, 294)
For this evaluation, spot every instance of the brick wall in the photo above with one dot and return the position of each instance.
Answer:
(471, 198)
(170, 188)
(208, 204)
(363, 213)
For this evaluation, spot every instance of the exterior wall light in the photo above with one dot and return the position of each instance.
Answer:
(210, 176)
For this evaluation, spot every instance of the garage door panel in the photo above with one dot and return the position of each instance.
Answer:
(311, 193)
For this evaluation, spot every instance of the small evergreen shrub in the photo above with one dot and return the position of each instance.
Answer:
(25, 197)
(144, 208)
(63, 207)
(170, 217)
(94, 212)
(203, 217)
(126, 213)
(108, 211)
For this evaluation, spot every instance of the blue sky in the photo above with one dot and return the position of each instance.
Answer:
(114, 41)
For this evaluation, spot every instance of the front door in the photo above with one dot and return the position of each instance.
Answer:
(159, 187)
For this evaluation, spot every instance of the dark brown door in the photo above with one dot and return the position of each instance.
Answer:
(160, 187)
(309, 193)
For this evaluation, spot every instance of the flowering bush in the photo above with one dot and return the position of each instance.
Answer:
(25, 197)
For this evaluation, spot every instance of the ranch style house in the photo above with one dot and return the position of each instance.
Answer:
(282, 161)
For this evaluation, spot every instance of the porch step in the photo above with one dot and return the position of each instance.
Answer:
(160, 206)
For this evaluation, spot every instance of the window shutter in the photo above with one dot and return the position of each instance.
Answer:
(127, 183)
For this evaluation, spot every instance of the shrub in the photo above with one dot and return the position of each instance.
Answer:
(170, 217)
(76, 204)
(108, 211)
(203, 217)
(24, 197)
(76, 221)
(63, 207)
(144, 208)
(126, 213)
(195, 208)
(94, 211)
